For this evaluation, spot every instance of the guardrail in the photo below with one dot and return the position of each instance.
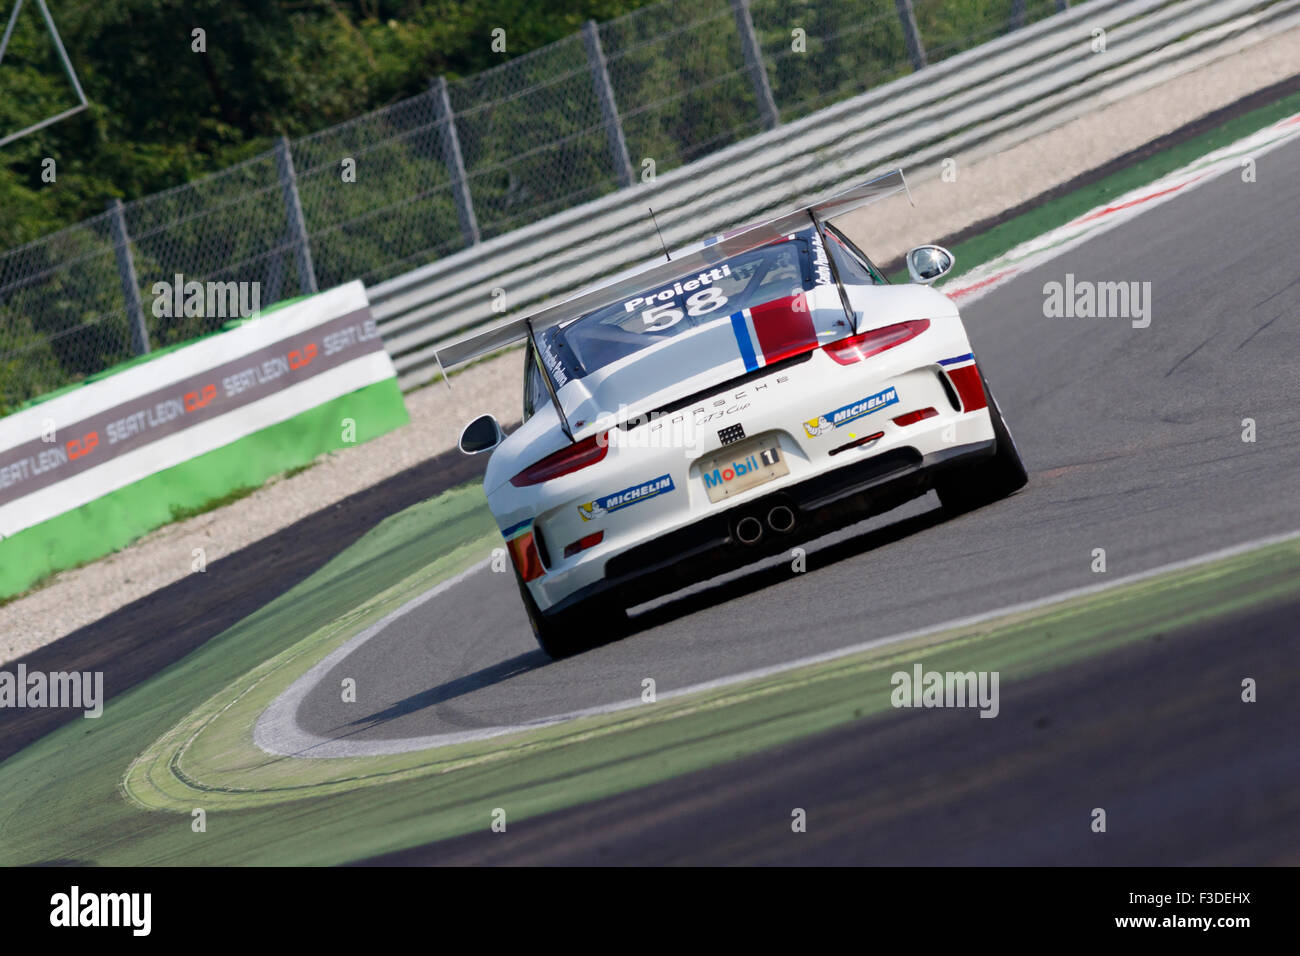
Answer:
(1036, 76)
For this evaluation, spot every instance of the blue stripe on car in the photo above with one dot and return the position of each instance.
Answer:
(508, 532)
(739, 326)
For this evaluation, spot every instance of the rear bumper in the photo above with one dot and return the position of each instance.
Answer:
(821, 503)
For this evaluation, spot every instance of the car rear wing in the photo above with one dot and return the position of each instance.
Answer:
(701, 256)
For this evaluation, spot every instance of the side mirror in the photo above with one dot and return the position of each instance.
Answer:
(480, 435)
(927, 263)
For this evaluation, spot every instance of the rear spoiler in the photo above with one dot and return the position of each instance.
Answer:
(700, 256)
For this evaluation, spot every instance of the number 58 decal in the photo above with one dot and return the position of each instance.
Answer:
(665, 316)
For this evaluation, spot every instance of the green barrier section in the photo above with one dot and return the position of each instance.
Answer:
(118, 518)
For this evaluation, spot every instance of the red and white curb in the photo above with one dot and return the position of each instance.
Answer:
(984, 278)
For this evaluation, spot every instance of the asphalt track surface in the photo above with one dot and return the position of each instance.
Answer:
(1134, 441)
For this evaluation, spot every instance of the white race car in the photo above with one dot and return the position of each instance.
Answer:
(692, 416)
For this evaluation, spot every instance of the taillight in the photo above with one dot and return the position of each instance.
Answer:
(564, 462)
(911, 418)
(582, 544)
(859, 347)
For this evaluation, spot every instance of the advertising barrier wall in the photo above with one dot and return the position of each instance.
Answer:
(89, 470)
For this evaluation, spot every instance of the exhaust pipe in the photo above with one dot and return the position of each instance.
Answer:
(781, 519)
(749, 530)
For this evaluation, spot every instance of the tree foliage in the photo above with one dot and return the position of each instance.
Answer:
(164, 113)
(161, 114)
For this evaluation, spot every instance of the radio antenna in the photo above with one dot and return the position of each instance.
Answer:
(660, 234)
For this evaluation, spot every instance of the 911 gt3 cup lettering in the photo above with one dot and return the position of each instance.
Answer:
(625, 498)
(851, 412)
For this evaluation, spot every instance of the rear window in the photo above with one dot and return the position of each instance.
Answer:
(854, 269)
(691, 301)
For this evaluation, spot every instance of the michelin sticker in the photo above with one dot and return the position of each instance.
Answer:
(626, 498)
(851, 412)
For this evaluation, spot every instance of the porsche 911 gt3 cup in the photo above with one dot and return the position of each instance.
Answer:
(755, 390)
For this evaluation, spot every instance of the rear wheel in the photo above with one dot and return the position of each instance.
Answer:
(965, 489)
(575, 629)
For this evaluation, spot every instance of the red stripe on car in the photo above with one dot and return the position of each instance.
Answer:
(523, 551)
(784, 327)
(969, 389)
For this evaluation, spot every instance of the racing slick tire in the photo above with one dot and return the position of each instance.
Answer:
(966, 489)
(575, 629)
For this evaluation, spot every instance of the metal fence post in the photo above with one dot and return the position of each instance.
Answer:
(130, 284)
(754, 63)
(293, 213)
(1017, 14)
(912, 36)
(1062, 5)
(608, 107)
(446, 122)
(274, 277)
